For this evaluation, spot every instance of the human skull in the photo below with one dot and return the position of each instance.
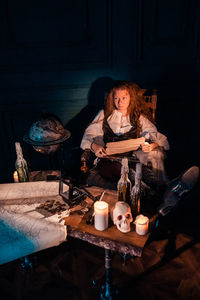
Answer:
(122, 216)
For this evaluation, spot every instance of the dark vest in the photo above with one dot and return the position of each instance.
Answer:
(110, 136)
(110, 168)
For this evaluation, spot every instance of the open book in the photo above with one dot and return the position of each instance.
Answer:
(124, 146)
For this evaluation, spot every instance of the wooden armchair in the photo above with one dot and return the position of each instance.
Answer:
(151, 102)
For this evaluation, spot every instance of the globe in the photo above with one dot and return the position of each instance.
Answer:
(47, 134)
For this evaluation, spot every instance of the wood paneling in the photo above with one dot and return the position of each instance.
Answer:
(166, 32)
(41, 34)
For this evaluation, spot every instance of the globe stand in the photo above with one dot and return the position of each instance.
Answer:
(47, 136)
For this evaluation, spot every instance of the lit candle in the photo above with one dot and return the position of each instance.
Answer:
(100, 215)
(142, 224)
(15, 176)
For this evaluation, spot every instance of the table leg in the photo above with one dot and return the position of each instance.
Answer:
(26, 263)
(108, 292)
(62, 161)
(22, 282)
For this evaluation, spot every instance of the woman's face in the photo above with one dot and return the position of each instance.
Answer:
(122, 100)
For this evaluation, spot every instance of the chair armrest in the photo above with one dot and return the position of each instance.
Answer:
(84, 159)
(86, 155)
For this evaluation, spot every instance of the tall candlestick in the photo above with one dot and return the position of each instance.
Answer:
(100, 215)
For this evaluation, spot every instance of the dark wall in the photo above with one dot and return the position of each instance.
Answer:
(57, 57)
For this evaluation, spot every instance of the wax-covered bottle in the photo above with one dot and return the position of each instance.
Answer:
(136, 190)
(124, 184)
(21, 164)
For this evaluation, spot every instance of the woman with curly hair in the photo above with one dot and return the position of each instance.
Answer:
(125, 116)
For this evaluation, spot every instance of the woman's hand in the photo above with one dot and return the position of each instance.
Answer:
(146, 147)
(98, 150)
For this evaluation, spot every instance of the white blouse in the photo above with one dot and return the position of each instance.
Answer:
(120, 125)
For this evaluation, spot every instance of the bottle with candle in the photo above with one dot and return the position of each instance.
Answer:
(21, 164)
(124, 184)
(135, 192)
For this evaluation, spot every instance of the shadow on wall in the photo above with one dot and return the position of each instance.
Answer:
(96, 96)
(77, 125)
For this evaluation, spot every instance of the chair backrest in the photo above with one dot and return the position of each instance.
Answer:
(151, 101)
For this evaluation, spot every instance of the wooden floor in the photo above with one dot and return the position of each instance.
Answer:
(168, 269)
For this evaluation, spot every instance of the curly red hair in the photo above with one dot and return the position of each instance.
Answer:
(137, 104)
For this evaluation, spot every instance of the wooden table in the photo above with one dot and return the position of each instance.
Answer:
(110, 239)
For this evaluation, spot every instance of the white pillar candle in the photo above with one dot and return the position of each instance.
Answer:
(100, 215)
(142, 225)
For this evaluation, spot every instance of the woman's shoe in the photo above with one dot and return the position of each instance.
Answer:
(178, 189)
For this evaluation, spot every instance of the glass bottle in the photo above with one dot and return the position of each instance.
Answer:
(124, 184)
(21, 164)
(136, 190)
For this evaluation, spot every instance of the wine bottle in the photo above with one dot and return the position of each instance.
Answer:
(124, 184)
(21, 164)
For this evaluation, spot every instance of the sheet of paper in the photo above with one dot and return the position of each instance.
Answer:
(23, 229)
(22, 234)
(28, 189)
